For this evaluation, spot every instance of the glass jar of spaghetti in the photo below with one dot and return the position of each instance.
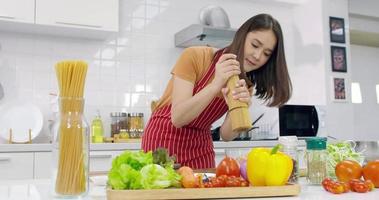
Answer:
(71, 150)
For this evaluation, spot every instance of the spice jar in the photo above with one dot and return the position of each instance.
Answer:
(289, 147)
(316, 159)
(136, 125)
(115, 123)
(140, 124)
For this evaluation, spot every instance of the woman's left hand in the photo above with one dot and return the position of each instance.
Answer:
(240, 92)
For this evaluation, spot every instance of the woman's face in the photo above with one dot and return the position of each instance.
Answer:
(259, 46)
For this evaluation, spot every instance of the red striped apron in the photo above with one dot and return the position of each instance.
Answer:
(192, 144)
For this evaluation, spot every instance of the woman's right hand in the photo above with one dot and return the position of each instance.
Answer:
(226, 67)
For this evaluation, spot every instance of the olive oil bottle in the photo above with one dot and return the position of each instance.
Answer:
(97, 130)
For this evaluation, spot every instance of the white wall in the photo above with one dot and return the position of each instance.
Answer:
(339, 115)
(365, 70)
(129, 70)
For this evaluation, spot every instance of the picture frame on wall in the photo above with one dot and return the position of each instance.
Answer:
(337, 29)
(339, 89)
(338, 56)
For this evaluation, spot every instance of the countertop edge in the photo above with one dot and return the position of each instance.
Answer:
(47, 147)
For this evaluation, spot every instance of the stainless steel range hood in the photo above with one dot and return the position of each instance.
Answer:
(203, 35)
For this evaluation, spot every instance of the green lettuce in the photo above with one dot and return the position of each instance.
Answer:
(135, 170)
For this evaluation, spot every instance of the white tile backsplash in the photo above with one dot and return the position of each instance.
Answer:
(128, 70)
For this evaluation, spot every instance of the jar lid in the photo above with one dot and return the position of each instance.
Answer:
(288, 140)
(316, 143)
(115, 114)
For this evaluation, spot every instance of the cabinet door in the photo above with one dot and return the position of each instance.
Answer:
(90, 14)
(43, 163)
(16, 166)
(219, 155)
(17, 10)
(101, 161)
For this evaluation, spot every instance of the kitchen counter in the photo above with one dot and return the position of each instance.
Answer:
(38, 189)
(45, 147)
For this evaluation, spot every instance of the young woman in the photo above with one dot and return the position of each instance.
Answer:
(195, 95)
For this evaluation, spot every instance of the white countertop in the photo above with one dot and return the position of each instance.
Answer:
(131, 146)
(39, 189)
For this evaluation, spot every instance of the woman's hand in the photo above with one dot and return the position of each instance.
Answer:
(226, 67)
(240, 92)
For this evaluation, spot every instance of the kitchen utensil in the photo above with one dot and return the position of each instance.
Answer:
(246, 135)
(20, 117)
(214, 16)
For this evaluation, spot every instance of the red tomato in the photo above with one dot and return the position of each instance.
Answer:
(335, 188)
(347, 170)
(232, 182)
(352, 183)
(346, 186)
(216, 182)
(229, 167)
(361, 187)
(326, 182)
(369, 184)
(371, 172)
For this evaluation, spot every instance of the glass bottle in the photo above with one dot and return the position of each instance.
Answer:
(316, 159)
(289, 147)
(97, 129)
(71, 150)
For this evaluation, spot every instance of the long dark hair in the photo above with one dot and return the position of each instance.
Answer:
(271, 81)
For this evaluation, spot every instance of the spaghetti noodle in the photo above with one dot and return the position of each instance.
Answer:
(72, 175)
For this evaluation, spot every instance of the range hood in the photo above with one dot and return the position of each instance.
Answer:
(203, 35)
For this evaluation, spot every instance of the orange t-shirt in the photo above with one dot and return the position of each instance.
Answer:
(191, 66)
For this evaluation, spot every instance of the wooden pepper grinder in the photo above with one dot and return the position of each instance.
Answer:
(239, 112)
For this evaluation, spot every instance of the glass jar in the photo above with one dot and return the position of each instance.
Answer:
(115, 123)
(123, 123)
(140, 124)
(289, 147)
(71, 150)
(316, 159)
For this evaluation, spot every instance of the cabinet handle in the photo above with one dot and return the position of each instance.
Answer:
(100, 156)
(7, 17)
(5, 158)
(75, 24)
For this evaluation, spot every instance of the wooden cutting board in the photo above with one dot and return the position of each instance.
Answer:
(205, 193)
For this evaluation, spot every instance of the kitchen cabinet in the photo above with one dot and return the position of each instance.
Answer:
(43, 163)
(87, 14)
(16, 165)
(101, 161)
(219, 155)
(10, 10)
(81, 19)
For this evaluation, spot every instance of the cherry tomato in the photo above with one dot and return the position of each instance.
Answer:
(244, 184)
(335, 188)
(346, 186)
(361, 187)
(369, 184)
(326, 182)
(348, 169)
(352, 183)
(208, 184)
(229, 167)
(217, 182)
(232, 182)
(371, 172)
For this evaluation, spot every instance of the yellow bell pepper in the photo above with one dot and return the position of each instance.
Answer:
(268, 167)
